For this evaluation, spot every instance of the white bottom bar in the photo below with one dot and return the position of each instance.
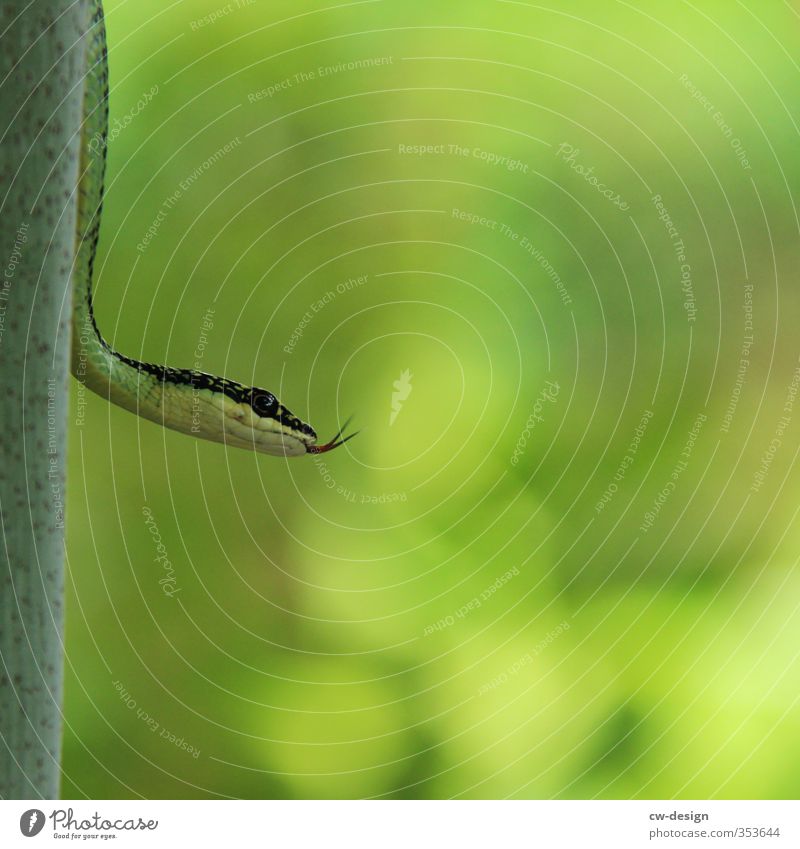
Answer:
(404, 825)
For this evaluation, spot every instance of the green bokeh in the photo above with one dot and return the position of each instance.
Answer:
(310, 650)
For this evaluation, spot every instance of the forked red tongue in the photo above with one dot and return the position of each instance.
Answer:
(332, 443)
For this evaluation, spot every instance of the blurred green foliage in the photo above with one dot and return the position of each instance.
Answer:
(315, 646)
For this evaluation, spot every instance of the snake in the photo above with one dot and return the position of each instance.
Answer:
(202, 405)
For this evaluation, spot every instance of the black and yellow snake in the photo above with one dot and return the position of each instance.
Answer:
(186, 400)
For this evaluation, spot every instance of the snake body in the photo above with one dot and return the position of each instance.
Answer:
(192, 402)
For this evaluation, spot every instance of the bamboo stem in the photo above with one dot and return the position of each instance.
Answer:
(42, 64)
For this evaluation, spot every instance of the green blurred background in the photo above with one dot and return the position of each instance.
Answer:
(326, 640)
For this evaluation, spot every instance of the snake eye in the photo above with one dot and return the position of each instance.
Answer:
(264, 403)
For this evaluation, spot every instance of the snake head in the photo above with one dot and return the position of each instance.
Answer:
(277, 430)
(222, 410)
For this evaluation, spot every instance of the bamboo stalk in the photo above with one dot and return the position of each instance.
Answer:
(42, 65)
